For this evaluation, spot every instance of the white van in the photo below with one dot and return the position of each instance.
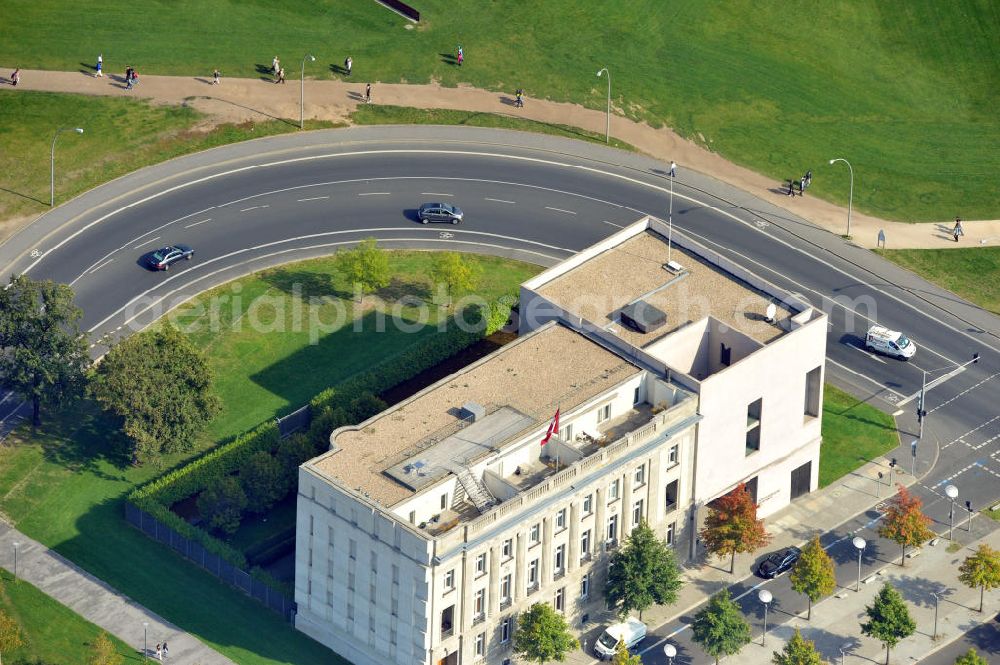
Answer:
(631, 632)
(890, 342)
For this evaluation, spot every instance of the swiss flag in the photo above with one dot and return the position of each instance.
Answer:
(553, 428)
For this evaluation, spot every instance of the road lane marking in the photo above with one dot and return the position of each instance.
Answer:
(254, 208)
(197, 223)
(864, 351)
(100, 266)
(374, 193)
(568, 212)
(891, 392)
(146, 242)
(313, 198)
(933, 384)
(964, 392)
(434, 194)
(499, 200)
(612, 223)
(971, 431)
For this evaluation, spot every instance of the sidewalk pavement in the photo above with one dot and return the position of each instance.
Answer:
(99, 603)
(240, 100)
(824, 510)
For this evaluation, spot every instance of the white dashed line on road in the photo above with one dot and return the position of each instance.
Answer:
(100, 266)
(313, 198)
(867, 353)
(374, 193)
(568, 212)
(971, 431)
(434, 194)
(612, 224)
(967, 390)
(254, 208)
(197, 223)
(498, 200)
(146, 243)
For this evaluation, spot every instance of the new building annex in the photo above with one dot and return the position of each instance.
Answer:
(677, 375)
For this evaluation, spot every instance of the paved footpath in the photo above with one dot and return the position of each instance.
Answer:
(99, 603)
(240, 100)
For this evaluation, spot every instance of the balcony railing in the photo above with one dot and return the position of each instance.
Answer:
(479, 618)
(559, 574)
(585, 557)
(532, 588)
(505, 603)
(611, 545)
(447, 631)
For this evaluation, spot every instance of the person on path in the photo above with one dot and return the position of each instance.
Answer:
(802, 186)
(100, 66)
(519, 99)
(368, 94)
(673, 169)
(791, 187)
(166, 652)
(348, 64)
(958, 230)
(215, 77)
(128, 77)
(15, 76)
(275, 66)
(461, 56)
(281, 75)
(159, 651)
(809, 178)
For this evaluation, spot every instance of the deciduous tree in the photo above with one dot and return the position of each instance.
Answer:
(263, 481)
(732, 525)
(543, 635)
(970, 657)
(720, 628)
(889, 620)
(43, 354)
(904, 523)
(10, 634)
(813, 574)
(981, 569)
(222, 505)
(365, 266)
(798, 651)
(642, 573)
(103, 652)
(160, 385)
(454, 272)
(623, 657)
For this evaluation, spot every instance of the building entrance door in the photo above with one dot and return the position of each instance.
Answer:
(800, 480)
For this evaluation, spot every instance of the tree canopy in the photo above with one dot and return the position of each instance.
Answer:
(543, 635)
(623, 657)
(732, 525)
(160, 385)
(970, 657)
(798, 651)
(720, 628)
(43, 354)
(904, 523)
(814, 574)
(365, 266)
(889, 619)
(222, 505)
(103, 651)
(453, 271)
(642, 573)
(982, 570)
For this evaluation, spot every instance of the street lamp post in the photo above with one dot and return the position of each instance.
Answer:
(145, 650)
(670, 220)
(952, 493)
(913, 457)
(16, 546)
(302, 91)
(936, 598)
(52, 164)
(607, 127)
(669, 650)
(850, 200)
(859, 543)
(843, 650)
(765, 597)
(968, 506)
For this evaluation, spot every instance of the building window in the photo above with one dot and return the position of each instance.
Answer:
(350, 612)
(350, 581)
(670, 497)
(373, 559)
(604, 413)
(561, 519)
(395, 574)
(613, 491)
(449, 580)
(635, 395)
(352, 549)
(506, 629)
(585, 587)
(637, 513)
(392, 635)
(533, 572)
(505, 588)
(444, 501)
(481, 564)
(588, 504)
(507, 549)
(535, 534)
(672, 455)
(671, 530)
(640, 475)
(481, 644)
(568, 432)
(812, 392)
(394, 607)
(413, 517)
(560, 599)
(613, 528)
(559, 560)
(480, 602)
(447, 621)
(753, 426)
(585, 544)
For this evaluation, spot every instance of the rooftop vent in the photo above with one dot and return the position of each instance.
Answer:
(473, 411)
(642, 316)
(416, 469)
(673, 266)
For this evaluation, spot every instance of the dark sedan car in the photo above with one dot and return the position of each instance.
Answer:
(439, 212)
(778, 562)
(162, 258)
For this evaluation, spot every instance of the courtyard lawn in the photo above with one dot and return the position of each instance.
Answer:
(972, 272)
(906, 92)
(854, 433)
(65, 485)
(52, 633)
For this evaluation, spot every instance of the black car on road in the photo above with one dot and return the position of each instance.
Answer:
(162, 258)
(439, 212)
(778, 562)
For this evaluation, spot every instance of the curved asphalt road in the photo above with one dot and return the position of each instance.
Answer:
(539, 203)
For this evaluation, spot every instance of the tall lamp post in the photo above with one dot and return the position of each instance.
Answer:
(52, 163)
(924, 387)
(607, 126)
(765, 597)
(859, 543)
(302, 91)
(936, 598)
(16, 546)
(669, 650)
(850, 200)
(145, 650)
(670, 220)
(952, 493)
(844, 650)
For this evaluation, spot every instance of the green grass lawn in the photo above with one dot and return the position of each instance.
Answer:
(972, 272)
(65, 486)
(907, 92)
(120, 136)
(854, 433)
(52, 633)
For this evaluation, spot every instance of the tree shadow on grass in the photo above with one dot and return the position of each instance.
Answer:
(304, 283)
(398, 289)
(80, 436)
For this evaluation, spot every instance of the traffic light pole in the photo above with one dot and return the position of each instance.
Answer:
(922, 398)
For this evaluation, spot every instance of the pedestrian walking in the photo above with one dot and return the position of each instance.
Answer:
(100, 66)
(791, 187)
(275, 66)
(166, 652)
(461, 56)
(958, 230)
(809, 178)
(128, 77)
(673, 169)
(159, 651)
(519, 98)
(802, 186)
(348, 64)
(281, 75)
(368, 94)
(215, 77)
(15, 76)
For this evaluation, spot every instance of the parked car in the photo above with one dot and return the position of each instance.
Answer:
(890, 342)
(162, 258)
(439, 212)
(778, 562)
(632, 631)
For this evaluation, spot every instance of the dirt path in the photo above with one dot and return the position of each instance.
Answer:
(238, 100)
